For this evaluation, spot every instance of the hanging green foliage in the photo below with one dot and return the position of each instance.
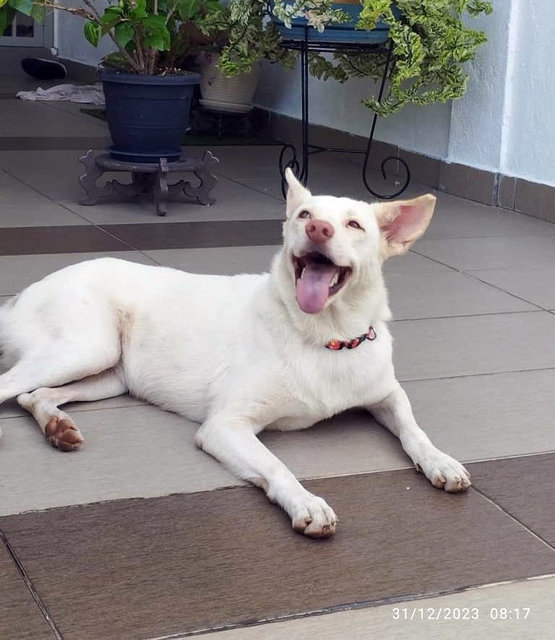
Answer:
(431, 43)
(431, 39)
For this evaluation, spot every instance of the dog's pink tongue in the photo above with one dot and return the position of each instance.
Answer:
(313, 287)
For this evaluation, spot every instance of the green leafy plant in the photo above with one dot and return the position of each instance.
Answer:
(162, 36)
(150, 35)
(431, 43)
(430, 38)
(9, 8)
(242, 35)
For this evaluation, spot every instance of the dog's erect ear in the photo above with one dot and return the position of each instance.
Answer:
(403, 222)
(296, 193)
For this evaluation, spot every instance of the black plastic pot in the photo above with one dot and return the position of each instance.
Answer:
(147, 115)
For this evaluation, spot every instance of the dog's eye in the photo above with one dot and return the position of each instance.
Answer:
(354, 224)
(304, 214)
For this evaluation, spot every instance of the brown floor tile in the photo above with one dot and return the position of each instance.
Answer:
(523, 487)
(73, 239)
(184, 235)
(20, 617)
(146, 568)
(36, 143)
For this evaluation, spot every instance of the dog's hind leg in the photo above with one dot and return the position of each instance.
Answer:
(232, 440)
(57, 426)
(58, 362)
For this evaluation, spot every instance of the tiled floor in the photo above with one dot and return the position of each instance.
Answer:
(138, 537)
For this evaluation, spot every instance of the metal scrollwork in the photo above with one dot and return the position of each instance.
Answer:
(300, 168)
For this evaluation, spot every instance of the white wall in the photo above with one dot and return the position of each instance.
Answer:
(505, 122)
(529, 145)
(339, 106)
(477, 119)
(70, 42)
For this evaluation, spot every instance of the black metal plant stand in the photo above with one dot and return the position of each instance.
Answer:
(150, 178)
(300, 169)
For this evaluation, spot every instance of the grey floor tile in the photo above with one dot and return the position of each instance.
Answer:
(218, 260)
(438, 348)
(537, 285)
(458, 218)
(475, 418)
(269, 186)
(149, 568)
(518, 485)
(333, 174)
(233, 201)
(53, 173)
(491, 253)
(20, 617)
(349, 443)
(18, 272)
(239, 162)
(490, 416)
(22, 206)
(119, 446)
(529, 601)
(39, 119)
(56, 173)
(138, 451)
(447, 293)
(412, 263)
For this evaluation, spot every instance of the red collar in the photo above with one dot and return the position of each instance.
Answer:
(337, 345)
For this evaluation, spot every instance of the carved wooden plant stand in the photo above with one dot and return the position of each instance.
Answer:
(149, 178)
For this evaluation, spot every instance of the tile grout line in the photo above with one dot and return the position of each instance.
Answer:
(247, 485)
(470, 315)
(443, 264)
(246, 186)
(474, 375)
(494, 286)
(44, 195)
(89, 222)
(28, 583)
(344, 607)
(513, 518)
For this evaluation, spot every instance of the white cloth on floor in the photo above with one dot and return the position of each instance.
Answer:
(85, 93)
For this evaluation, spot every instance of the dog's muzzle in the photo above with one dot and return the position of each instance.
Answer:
(317, 278)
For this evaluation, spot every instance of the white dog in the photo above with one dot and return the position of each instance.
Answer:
(240, 354)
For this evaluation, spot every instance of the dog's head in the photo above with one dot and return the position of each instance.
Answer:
(335, 245)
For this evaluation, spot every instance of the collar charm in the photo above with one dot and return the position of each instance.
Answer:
(337, 345)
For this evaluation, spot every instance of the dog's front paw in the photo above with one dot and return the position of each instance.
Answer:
(444, 472)
(313, 517)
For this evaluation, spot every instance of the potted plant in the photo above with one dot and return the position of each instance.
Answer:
(340, 21)
(148, 94)
(430, 44)
(239, 37)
